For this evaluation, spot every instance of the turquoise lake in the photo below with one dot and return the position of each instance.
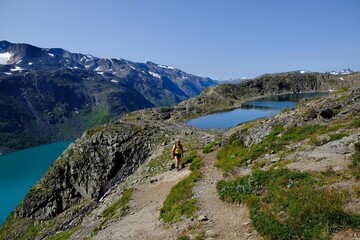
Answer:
(21, 169)
(250, 110)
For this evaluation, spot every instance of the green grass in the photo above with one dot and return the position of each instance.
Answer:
(196, 164)
(180, 201)
(116, 210)
(183, 237)
(355, 164)
(119, 208)
(64, 235)
(332, 137)
(356, 122)
(210, 147)
(32, 232)
(235, 153)
(289, 205)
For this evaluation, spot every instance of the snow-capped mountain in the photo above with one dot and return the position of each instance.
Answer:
(49, 88)
(342, 72)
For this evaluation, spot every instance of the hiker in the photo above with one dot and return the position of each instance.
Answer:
(177, 152)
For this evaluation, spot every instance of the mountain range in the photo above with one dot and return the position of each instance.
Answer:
(333, 72)
(52, 94)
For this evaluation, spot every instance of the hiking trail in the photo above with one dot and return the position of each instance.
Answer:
(224, 221)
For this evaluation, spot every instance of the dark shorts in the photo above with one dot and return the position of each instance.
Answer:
(177, 154)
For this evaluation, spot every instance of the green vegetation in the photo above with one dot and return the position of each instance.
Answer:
(116, 210)
(332, 137)
(64, 235)
(356, 122)
(180, 201)
(160, 163)
(210, 147)
(194, 160)
(32, 232)
(236, 153)
(286, 109)
(119, 208)
(355, 162)
(183, 237)
(290, 205)
(200, 236)
(92, 131)
(15, 223)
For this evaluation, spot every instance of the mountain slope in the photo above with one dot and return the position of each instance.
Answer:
(52, 94)
(319, 135)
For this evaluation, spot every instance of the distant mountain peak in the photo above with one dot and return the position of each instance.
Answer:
(342, 72)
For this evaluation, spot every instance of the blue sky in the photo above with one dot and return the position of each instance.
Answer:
(218, 39)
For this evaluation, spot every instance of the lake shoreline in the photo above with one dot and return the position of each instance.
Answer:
(260, 107)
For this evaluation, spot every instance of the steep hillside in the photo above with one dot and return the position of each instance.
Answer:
(314, 145)
(52, 94)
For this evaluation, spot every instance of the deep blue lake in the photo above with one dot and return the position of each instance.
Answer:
(21, 169)
(250, 110)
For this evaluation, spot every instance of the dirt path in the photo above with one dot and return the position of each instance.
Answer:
(143, 221)
(225, 221)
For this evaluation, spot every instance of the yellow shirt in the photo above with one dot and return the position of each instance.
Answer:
(178, 149)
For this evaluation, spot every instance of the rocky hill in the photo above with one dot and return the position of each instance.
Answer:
(52, 94)
(318, 142)
(227, 96)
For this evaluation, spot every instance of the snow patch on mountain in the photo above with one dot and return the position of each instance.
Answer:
(165, 66)
(5, 57)
(16, 69)
(154, 74)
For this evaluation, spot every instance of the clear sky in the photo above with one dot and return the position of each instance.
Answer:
(220, 39)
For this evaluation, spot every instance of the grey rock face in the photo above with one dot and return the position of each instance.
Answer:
(88, 168)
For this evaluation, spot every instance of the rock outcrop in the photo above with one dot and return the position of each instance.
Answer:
(93, 164)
